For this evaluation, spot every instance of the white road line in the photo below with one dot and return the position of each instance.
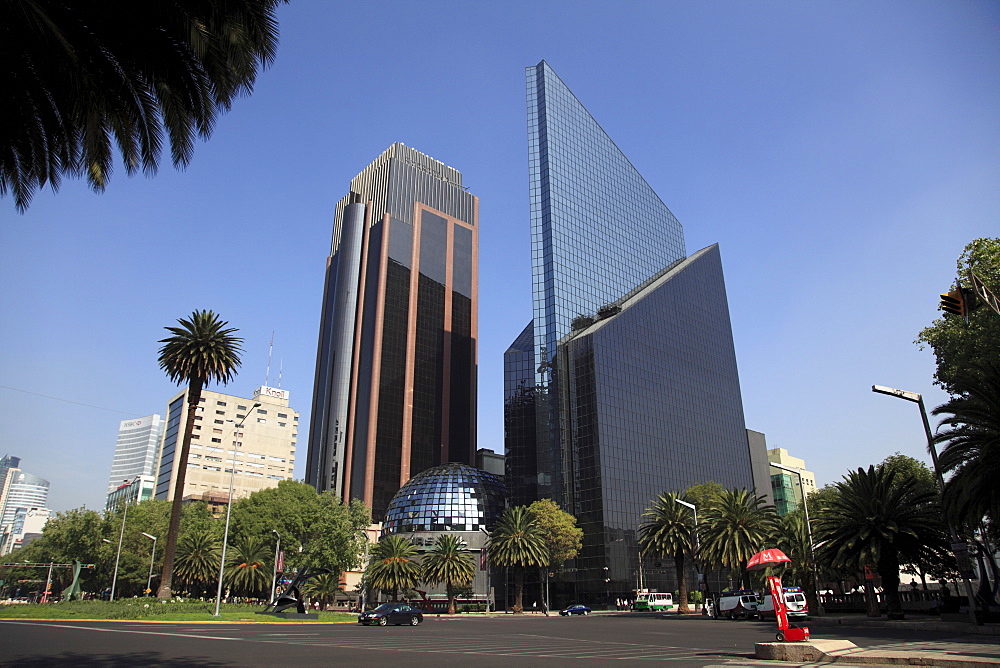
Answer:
(137, 632)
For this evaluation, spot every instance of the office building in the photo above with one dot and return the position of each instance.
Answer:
(137, 449)
(22, 491)
(788, 491)
(27, 525)
(263, 445)
(625, 383)
(395, 389)
(140, 488)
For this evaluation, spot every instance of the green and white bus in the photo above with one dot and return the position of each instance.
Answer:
(651, 601)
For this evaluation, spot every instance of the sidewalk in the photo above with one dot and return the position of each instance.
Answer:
(945, 654)
(921, 623)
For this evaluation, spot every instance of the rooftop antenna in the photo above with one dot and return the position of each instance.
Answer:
(281, 367)
(267, 374)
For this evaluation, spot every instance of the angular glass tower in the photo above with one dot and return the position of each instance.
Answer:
(625, 384)
(395, 389)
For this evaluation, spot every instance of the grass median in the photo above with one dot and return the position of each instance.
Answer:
(147, 609)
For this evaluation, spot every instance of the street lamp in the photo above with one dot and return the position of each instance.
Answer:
(697, 549)
(274, 578)
(229, 508)
(152, 553)
(121, 536)
(809, 532)
(956, 545)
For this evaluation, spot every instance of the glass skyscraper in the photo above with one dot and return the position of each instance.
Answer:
(625, 383)
(395, 389)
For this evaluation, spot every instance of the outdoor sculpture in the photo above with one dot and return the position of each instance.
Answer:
(293, 593)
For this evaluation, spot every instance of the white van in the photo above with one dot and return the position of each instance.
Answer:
(653, 601)
(795, 601)
(737, 605)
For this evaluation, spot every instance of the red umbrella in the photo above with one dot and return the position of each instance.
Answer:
(766, 558)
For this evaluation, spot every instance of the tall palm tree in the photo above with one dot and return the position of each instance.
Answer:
(516, 541)
(449, 562)
(250, 566)
(82, 77)
(736, 527)
(196, 562)
(792, 538)
(668, 531)
(876, 517)
(972, 450)
(393, 565)
(200, 351)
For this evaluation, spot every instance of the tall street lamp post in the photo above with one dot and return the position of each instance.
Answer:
(274, 577)
(121, 536)
(152, 553)
(959, 548)
(697, 549)
(229, 508)
(809, 534)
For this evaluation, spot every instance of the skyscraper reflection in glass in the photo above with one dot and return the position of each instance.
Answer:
(625, 384)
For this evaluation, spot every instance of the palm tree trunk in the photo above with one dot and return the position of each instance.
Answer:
(451, 598)
(682, 585)
(888, 570)
(518, 590)
(180, 465)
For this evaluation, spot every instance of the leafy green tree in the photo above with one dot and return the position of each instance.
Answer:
(394, 565)
(249, 566)
(735, 528)
(72, 535)
(876, 518)
(451, 563)
(959, 347)
(517, 541)
(200, 351)
(328, 532)
(197, 561)
(668, 531)
(971, 454)
(80, 76)
(562, 537)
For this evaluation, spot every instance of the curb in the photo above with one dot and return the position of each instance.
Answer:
(945, 627)
(844, 651)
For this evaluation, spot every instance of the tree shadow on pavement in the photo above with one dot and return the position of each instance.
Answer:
(92, 660)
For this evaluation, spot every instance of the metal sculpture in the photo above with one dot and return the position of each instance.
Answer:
(293, 592)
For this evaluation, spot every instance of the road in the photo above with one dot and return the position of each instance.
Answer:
(528, 640)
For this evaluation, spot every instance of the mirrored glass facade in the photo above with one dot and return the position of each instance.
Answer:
(453, 497)
(625, 384)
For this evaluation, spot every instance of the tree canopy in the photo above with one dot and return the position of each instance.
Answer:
(80, 76)
(959, 346)
(562, 537)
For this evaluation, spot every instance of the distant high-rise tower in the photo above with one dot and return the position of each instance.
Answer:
(625, 384)
(395, 389)
(137, 450)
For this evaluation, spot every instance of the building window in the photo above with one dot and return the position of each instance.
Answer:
(262, 420)
(282, 424)
(282, 415)
(218, 421)
(216, 440)
(220, 403)
(220, 412)
(240, 408)
(262, 411)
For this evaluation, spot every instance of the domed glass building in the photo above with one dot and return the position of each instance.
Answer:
(448, 498)
(455, 499)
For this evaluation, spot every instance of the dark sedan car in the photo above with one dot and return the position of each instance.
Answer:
(575, 610)
(391, 613)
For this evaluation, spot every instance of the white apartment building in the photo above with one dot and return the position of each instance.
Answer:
(137, 450)
(261, 438)
(788, 493)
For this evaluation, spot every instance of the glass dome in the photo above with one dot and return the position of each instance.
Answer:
(453, 497)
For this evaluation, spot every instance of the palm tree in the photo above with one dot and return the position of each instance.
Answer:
(735, 528)
(451, 563)
(200, 351)
(81, 77)
(249, 569)
(516, 541)
(972, 453)
(792, 538)
(876, 517)
(197, 559)
(668, 531)
(393, 565)
(324, 588)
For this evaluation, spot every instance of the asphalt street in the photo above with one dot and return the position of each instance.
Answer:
(528, 640)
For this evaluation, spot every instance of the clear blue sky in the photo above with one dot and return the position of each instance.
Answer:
(841, 153)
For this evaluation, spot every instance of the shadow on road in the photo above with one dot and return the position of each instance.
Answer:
(88, 660)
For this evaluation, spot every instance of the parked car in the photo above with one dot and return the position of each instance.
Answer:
(737, 605)
(575, 610)
(391, 613)
(795, 601)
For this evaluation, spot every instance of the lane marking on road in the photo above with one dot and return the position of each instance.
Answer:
(97, 628)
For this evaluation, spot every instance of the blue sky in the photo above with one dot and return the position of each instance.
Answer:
(841, 154)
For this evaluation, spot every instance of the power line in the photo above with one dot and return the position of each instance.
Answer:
(69, 401)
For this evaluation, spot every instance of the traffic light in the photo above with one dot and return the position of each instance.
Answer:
(957, 302)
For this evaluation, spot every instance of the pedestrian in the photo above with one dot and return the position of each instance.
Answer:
(534, 606)
(545, 608)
